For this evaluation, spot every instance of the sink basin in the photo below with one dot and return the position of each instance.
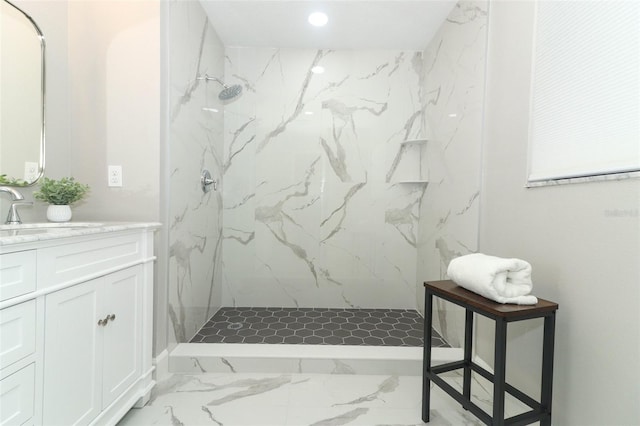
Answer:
(42, 228)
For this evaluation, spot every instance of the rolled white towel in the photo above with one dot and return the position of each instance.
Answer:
(496, 278)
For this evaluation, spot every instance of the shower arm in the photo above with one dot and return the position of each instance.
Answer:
(207, 77)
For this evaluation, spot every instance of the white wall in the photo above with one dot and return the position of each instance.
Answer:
(583, 241)
(114, 69)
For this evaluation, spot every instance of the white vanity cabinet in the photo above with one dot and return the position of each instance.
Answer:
(81, 337)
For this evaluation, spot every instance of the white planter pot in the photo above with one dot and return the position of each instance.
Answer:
(58, 213)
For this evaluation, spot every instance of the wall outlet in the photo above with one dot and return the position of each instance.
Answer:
(115, 176)
(30, 171)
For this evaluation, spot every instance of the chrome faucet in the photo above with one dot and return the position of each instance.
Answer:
(13, 218)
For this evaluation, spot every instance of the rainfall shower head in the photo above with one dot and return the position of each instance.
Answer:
(228, 92)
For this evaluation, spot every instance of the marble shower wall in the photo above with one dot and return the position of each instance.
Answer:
(195, 143)
(313, 213)
(454, 75)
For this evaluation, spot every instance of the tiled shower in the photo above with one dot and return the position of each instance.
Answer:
(320, 206)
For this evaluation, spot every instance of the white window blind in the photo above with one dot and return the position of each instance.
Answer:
(585, 115)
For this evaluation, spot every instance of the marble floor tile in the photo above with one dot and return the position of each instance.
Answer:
(299, 399)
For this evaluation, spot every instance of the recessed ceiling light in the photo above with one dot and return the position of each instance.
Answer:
(317, 69)
(318, 19)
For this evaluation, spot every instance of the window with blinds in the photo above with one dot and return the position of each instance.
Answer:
(585, 115)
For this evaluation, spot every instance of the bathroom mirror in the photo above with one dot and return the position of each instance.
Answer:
(22, 84)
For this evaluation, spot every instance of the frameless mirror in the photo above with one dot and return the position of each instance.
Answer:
(21, 97)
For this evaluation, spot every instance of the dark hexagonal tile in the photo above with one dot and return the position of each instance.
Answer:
(314, 314)
(235, 319)
(233, 339)
(259, 325)
(254, 339)
(362, 313)
(322, 333)
(304, 332)
(345, 314)
(386, 327)
(249, 312)
(213, 339)
(330, 314)
(312, 340)
(252, 320)
(305, 320)
(292, 340)
(357, 320)
(415, 333)
(274, 339)
(322, 320)
(366, 326)
(288, 320)
(270, 320)
(333, 340)
(395, 313)
(313, 326)
(390, 320)
(412, 341)
(281, 314)
(295, 326)
(339, 320)
(341, 333)
(392, 341)
(378, 313)
(379, 333)
(296, 313)
(353, 340)
(285, 332)
(399, 326)
(266, 332)
(230, 312)
(247, 332)
(373, 320)
(332, 326)
(263, 313)
(278, 325)
(406, 320)
(227, 332)
(373, 341)
(398, 333)
(349, 326)
(360, 333)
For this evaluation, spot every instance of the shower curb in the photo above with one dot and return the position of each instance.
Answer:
(196, 358)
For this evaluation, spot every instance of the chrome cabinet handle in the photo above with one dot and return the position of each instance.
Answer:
(105, 321)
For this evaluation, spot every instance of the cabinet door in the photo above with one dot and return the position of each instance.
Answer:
(122, 334)
(73, 355)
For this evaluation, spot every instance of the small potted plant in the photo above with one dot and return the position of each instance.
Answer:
(60, 194)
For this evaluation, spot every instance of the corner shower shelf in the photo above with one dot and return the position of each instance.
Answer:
(411, 167)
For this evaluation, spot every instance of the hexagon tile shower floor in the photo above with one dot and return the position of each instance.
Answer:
(316, 326)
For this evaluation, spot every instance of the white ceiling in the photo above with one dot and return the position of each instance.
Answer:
(353, 24)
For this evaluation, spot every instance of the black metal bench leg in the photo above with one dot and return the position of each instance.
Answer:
(547, 368)
(500, 361)
(468, 342)
(426, 362)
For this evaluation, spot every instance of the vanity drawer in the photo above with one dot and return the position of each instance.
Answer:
(76, 262)
(17, 396)
(17, 332)
(17, 274)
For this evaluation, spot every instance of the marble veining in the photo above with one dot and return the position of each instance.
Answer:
(454, 70)
(310, 219)
(305, 399)
(195, 143)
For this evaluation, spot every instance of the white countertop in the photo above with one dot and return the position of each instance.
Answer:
(32, 232)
